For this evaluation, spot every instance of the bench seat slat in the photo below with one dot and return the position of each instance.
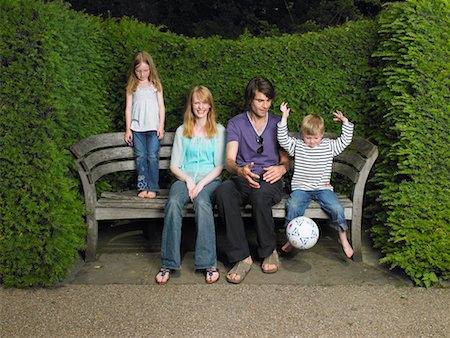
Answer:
(114, 213)
(123, 204)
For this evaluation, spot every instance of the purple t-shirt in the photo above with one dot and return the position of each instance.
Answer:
(241, 130)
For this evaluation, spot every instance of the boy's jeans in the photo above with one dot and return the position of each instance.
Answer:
(205, 244)
(299, 200)
(146, 149)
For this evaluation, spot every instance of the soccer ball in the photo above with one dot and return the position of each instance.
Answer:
(302, 232)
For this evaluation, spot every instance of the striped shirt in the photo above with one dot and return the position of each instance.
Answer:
(312, 166)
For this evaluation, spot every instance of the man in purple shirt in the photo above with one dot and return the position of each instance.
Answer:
(256, 164)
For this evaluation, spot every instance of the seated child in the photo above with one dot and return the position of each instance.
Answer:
(313, 160)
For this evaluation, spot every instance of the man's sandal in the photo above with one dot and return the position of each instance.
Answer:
(163, 272)
(212, 275)
(240, 269)
(273, 259)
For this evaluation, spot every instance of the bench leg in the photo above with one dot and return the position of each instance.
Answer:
(92, 238)
(356, 240)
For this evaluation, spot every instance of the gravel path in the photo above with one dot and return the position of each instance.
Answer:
(223, 310)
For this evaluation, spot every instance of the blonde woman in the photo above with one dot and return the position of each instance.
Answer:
(197, 163)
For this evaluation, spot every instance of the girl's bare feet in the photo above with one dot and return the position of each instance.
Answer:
(142, 194)
(150, 194)
(287, 247)
(348, 250)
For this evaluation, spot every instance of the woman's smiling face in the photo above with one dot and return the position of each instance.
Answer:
(200, 107)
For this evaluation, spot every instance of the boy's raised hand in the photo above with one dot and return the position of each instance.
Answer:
(338, 116)
(285, 110)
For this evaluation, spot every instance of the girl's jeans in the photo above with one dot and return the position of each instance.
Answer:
(146, 149)
(299, 200)
(205, 245)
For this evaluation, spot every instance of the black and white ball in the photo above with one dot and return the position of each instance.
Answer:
(302, 232)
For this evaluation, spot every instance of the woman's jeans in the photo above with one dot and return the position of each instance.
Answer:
(146, 150)
(299, 200)
(205, 244)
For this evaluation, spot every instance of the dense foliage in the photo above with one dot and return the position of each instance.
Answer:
(315, 72)
(63, 75)
(231, 18)
(51, 95)
(413, 105)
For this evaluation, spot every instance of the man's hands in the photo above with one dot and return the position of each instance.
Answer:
(271, 174)
(274, 173)
(246, 173)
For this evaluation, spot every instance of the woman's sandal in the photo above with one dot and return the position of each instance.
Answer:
(212, 275)
(162, 274)
(273, 259)
(240, 269)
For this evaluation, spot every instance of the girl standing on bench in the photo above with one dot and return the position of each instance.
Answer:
(144, 121)
(197, 162)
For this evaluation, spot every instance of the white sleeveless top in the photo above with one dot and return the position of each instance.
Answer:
(145, 109)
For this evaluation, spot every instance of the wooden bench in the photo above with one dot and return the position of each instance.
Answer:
(99, 155)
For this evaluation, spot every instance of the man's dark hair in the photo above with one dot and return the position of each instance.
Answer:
(259, 84)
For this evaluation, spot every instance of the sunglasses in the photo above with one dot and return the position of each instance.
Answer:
(260, 141)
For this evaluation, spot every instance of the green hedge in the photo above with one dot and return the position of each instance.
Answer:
(413, 176)
(37, 221)
(63, 77)
(315, 72)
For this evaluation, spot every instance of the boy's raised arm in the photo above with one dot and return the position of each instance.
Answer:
(339, 116)
(285, 110)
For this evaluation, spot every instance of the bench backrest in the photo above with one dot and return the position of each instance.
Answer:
(103, 154)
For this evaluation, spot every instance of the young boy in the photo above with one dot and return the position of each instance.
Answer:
(313, 160)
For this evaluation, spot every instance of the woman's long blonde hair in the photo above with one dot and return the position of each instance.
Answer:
(153, 76)
(203, 94)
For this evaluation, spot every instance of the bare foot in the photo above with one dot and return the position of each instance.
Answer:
(348, 250)
(142, 194)
(150, 194)
(287, 247)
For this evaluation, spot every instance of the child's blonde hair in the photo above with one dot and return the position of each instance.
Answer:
(204, 95)
(312, 125)
(153, 76)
